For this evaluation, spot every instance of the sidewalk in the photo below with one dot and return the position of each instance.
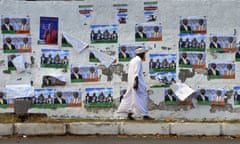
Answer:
(120, 128)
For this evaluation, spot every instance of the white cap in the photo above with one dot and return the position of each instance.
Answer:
(140, 50)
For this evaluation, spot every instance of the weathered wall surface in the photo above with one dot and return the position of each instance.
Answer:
(222, 18)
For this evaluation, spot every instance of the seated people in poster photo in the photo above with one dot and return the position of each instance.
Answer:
(2, 99)
(7, 26)
(140, 34)
(185, 27)
(8, 44)
(212, 70)
(123, 52)
(170, 96)
(75, 73)
(59, 98)
(202, 95)
(214, 43)
(184, 59)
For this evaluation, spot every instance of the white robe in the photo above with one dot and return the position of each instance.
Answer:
(135, 101)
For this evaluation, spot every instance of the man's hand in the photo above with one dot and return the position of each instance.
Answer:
(135, 84)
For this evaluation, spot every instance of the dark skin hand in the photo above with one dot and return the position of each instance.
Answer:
(135, 86)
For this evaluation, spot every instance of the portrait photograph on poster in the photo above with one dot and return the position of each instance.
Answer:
(19, 25)
(48, 33)
(148, 32)
(43, 98)
(237, 54)
(65, 43)
(121, 13)
(236, 95)
(52, 80)
(99, 97)
(16, 62)
(162, 62)
(221, 70)
(84, 73)
(107, 33)
(150, 11)
(222, 43)
(54, 58)
(165, 79)
(21, 43)
(193, 24)
(210, 96)
(85, 12)
(127, 51)
(170, 97)
(192, 60)
(192, 42)
(4, 102)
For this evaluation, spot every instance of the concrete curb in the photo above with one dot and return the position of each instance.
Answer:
(120, 128)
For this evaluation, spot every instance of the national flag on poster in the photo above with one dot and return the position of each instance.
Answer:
(19, 91)
(107, 60)
(76, 44)
(182, 91)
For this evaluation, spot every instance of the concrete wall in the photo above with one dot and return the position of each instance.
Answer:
(222, 18)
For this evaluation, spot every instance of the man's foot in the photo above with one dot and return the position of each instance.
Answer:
(147, 118)
(129, 117)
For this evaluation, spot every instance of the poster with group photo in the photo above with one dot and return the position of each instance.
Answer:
(170, 97)
(127, 51)
(84, 73)
(148, 32)
(210, 96)
(21, 43)
(48, 34)
(162, 62)
(53, 80)
(236, 95)
(104, 33)
(221, 70)
(194, 25)
(43, 98)
(99, 97)
(19, 25)
(192, 42)
(54, 58)
(192, 60)
(85, 12)
(237, 54)
(223, 43)
(121, 13)
(150, 11)
(165, 79)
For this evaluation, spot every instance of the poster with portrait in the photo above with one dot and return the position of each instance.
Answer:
(21, 43)
(68, 97)
(16, 62)
(107, 33)
(121, 13)
(237, 54)
(65, 43)
(162, 62)
(48, 33)
(210, 96)
(191, 59)
(221, 70)
(54, 58)
(192, 42)
(222, 43)
(10, 25)
(150, 11)
(127, 51)
(170, 97)
(236, 95)
(4, 102)
(99, 97)
(85, 12)
(165, 79)
(53, 80)
(148, 32)
(84, 73)
(193, 24)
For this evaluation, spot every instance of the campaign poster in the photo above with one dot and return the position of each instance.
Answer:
(221, 70)
(84, 73)
(43, 98)
(4, 102)
(127, 51)
(236, 95)
(107, 33)
(192, 42)
(99, 97)
(53, 80)
(222, 43)
(10, 25)
(68, 98)
(48, 34)
(210, 96)
(170, 97)
(162, 62)
(150, 11)
(237, 54)
(54, 58)
(16, 62)
(85, 12)
(121, 13)
(21, 43)
(165, 79)
(193, 25)
(148, 32)
(65, 43)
